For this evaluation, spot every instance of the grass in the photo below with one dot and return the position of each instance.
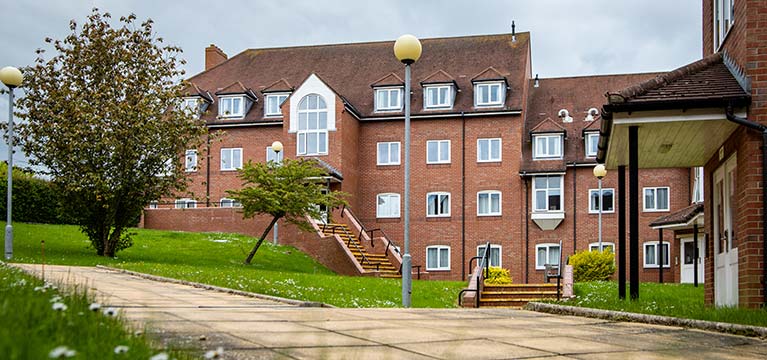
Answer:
(32, 328)
(677, 300)
(216, 259)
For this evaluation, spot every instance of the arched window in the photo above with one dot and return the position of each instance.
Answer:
(312, 126)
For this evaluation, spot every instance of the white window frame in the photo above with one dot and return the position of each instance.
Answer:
(548, 247)
(447, 102)
(389, 161)
(437, 213)
(547, 190)
(698, 185)
(154, 204)
(230, 99)
(439, 151)
(592, 206)
(190, 160)
(440, 266)
(595, 246)
(547, 138)
(490, 103)
(490, 142)
(272, 155)
(379, 107)
(490, 194)
(191, 104)
(654, 251)
(230, 203)
(655, 207)
(481, 252)
(185, 203)
(379, 213)
(722, 10)
(319, 131)
(234, 164)
(280, 98)
(588, 139)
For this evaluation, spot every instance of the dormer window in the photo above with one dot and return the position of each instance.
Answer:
(192, 105)
(273, 102)
(231, 106)
(592, 144)
(548, 146)
(438, 96)
(489, 94)
(388, 99)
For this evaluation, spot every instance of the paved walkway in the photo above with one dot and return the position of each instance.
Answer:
(250, 328)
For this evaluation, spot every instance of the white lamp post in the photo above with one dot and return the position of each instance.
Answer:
(11, 77)
(407, 49)
(277, 148)
(600, 172)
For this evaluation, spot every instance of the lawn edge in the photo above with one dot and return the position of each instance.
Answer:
(299, 303)
(737, 329)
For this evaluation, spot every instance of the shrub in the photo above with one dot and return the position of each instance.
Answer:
(34, 200)
(497, 276)
(592, 265)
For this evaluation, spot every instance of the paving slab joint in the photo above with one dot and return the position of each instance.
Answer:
(737, 329)
(299, 303)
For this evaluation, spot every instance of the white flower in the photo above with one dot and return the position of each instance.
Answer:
(40, 288)
(121, 349)
(214, 354)
(94, 307)
(61, 352)
(58, 306)
(138, 333)
(56, 298)
(160, 356)
(110, 311)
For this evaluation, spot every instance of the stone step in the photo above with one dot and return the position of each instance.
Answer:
(511, 302)
(521, 287)
(519, 294)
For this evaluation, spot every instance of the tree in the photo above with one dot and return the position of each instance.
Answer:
(290, 190)
(103, 119)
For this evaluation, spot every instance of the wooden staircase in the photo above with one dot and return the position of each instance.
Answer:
(516, 295)
(378, 264)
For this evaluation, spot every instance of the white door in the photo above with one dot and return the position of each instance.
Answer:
(323, 211)
(687, 251)
(725, 242)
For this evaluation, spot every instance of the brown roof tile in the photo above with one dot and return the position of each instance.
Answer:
(679, 217)
(547, 126)
(280, 85)
(389, 80)
(438, 77)
(490, 73)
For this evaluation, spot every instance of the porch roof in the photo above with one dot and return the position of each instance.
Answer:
(679, 218)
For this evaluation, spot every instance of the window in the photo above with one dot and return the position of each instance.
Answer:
(154, 204)
(488, 150)
(388, 206)
(227, 203)
(192, 105)
(651, 254)
(273, 102)
(724, 17)
(190, 160)
(231, 106)
(592, 144)
(546, 254)
(272, 155)
(547, 192)
(438, 152)
(388, 99)
(489, 203)
(697, 195)
(488, 94)
(438, 258)
(547, 146)
(231, 159)
(495, 254)
(388, 153)
(435, 97)
(312, 126)
(186, 203)
(656, 199)
(438, 204)
(606, 246)
(608, 198)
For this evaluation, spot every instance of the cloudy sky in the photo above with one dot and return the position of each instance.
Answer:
(569, 37)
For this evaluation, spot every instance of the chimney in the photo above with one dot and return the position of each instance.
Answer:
(213, 56)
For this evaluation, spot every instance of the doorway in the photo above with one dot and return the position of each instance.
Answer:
(725, 234)
(687, 265)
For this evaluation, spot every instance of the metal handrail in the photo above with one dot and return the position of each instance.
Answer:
(362, 226)
(370, 233)
(483, 270)
(349, 242)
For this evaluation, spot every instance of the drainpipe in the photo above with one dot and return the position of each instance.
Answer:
(207, 172)
(463, 195)
(575, 206)
(763, 129)
(527, 228)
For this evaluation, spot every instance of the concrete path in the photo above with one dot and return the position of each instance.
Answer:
(251, 328)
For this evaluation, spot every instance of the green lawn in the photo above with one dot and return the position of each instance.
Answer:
(677, 300)
(32, 327)
(217, 259)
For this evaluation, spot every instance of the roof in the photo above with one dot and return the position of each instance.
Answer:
(577, 95)
(680, 217)
(280, 85)
(332, 171)
(350, 69)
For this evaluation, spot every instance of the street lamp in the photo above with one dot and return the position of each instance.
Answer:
(11, 77)
(277, 148)
(407, 49)
(600, 172)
